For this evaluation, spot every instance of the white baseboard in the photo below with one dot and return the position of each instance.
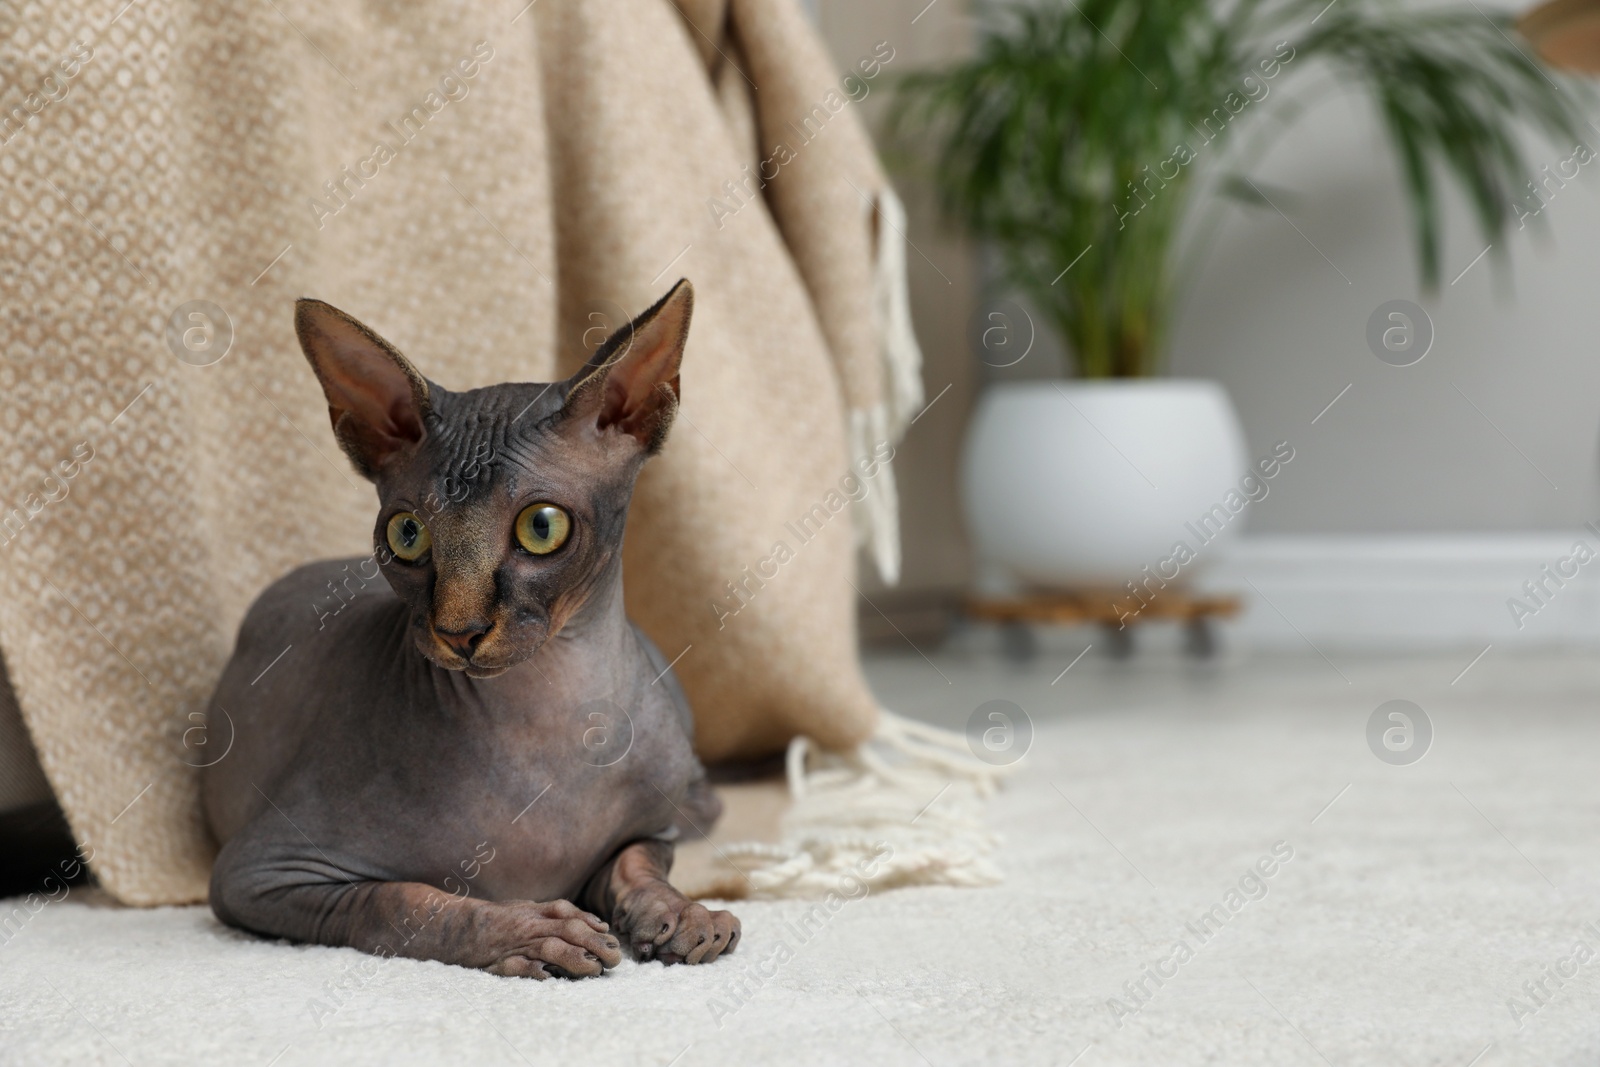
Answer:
(1400, 593)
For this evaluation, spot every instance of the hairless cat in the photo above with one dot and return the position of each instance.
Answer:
(484, 763)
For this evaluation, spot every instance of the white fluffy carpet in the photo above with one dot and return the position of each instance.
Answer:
(1414, 907)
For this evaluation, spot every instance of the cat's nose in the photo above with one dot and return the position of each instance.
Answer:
(465, 640)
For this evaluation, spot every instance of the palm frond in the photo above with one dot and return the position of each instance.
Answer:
(1075, 128)
(1453, 90)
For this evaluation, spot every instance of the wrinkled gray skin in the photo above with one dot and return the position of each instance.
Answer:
(479, 761)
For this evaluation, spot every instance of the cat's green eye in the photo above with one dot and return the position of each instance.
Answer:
(542, 528)
(408, 537)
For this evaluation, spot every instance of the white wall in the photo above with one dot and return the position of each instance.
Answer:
(1403, 450)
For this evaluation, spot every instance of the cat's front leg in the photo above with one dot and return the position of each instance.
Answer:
(658, 921)
(306, 899)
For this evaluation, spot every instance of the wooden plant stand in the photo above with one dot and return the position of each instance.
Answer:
(1105, 607)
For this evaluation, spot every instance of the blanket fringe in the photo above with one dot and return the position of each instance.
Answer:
(876, 514)
(904, 808)
(902, 357)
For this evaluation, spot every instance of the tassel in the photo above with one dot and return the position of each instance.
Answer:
(905, 808)
(876, 515)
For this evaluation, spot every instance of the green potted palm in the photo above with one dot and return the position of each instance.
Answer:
(1078, 143)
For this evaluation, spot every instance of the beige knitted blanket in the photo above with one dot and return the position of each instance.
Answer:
(491, 185)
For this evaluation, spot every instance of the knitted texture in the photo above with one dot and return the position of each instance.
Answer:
(492, 186)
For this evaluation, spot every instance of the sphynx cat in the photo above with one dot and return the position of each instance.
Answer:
(484, 763)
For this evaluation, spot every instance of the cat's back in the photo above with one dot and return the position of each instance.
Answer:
(268, 697)
(310, 599)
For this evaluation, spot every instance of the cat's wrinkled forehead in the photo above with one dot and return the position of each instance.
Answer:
(469, 433)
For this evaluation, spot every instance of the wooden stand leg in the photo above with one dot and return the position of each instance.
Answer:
(1018, 642)
(1200, 638)
(1119, 640)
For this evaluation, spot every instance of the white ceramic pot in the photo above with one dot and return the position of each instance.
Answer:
(1086, 483)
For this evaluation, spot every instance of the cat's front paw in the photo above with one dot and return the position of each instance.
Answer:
(662, 924)
(555, 939)
(700, 936)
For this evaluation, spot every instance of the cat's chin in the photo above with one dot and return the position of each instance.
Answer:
(445, 658)
(484, 672)
(470, 669)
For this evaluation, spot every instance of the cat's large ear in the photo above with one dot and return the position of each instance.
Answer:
(630, 384)
(376, 399)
